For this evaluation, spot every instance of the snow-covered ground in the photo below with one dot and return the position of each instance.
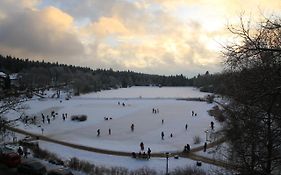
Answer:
(137, 110)
(158, 164)
(218, 152)
(148, 92)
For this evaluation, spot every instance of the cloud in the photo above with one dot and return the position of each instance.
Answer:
(170, 50)
(144, 37)
(151, 36)
(107, 26)
(39, 33)
(92, 9)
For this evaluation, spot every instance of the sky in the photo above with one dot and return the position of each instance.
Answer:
(165, 37)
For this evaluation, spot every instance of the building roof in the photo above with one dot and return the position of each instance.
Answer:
(13, 76)
(2, 74)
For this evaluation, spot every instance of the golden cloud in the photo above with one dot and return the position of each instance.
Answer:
(39, 33)
(57, 19)
(106, 26)
(138, 35)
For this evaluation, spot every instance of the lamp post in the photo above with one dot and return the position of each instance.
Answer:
(167, 163)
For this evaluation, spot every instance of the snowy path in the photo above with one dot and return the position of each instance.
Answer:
(190, 155)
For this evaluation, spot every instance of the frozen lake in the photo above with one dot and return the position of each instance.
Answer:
(148, 92)
(138, 104)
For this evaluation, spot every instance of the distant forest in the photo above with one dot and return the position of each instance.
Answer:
(35, 74)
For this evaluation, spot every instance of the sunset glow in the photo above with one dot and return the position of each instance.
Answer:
(150, 36)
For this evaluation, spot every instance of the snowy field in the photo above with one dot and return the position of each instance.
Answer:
(137, 109)
(158, 164)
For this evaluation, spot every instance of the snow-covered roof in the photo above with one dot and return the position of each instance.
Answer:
(2, 74)
(13, 76)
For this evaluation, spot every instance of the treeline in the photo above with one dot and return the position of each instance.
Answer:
(33, 74)
(216, 83)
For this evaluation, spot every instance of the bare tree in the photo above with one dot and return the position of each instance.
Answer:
(10, 103)
(254, 68)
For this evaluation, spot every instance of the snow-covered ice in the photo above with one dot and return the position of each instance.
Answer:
(139, 102)
(148, 92)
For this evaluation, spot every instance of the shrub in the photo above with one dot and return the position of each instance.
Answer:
(144, 171)
(74, 163)
(89, 168)
(209, 88)
(74, 117)
(188, 171)
(80, 118)
(210, 98)
(196, 140)
(217, 114)
(86, 166)
(44, 154)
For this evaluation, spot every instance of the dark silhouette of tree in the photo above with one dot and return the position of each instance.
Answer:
(253, 125)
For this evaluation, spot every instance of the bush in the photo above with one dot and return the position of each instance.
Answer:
(80, 118)
(196, 140)
(188, 171)
(210, 98)
(217, 114)
(74, 117)
(209, 88)
(74, 163)
(144, 171)
(89, 168)
(44, 154)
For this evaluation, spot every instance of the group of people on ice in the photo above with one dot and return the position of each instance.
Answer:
(99, 132)
(53, 115)
(155, 111)
(193, 113)
(48, 119)
(23, 151)
(123, 104)
(142, 154)
(147, 154)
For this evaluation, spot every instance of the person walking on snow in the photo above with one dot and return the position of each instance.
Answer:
(142, 146)
(20, 151)
(212, 125)
(148, 152)
(205, 146)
